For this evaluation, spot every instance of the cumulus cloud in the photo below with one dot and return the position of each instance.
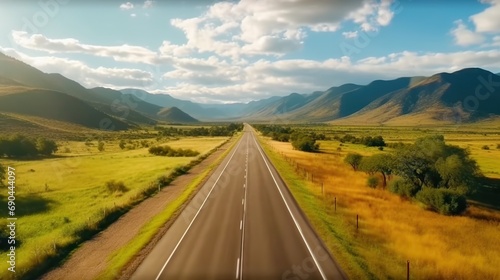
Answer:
(123, 53)
(147, 4)
(261, 27)
(464, 36)
(127, 6)
(488, 21)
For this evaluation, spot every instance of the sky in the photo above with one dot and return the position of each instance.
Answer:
(238, 51)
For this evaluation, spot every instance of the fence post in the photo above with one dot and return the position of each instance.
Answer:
(335, 204)
(407, 270)
(357, 221)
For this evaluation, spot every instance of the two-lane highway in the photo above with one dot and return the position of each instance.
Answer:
(242, 224)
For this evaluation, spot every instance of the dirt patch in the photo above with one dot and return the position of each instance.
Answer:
(90, 259)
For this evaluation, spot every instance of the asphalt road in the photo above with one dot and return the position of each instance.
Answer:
(242, 224)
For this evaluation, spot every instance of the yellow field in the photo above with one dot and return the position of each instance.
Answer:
(391, 230)
(59, 197)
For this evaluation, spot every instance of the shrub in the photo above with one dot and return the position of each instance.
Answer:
(485, 147)
(498, 146)
(100, 146)
(171, 152)
(372, 182)
(403, 188)
(116, 186)
(446, 202)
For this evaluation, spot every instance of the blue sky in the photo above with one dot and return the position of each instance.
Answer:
(237, 51)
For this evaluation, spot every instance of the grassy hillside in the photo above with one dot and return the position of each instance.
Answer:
(56, 106)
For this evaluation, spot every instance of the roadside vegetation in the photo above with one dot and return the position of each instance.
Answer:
(456, 174)
(85, 185)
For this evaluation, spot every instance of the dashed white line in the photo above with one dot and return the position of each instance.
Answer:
(198, 212)
(241, 224)
(238, 268)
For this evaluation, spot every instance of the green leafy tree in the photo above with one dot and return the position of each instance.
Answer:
(354, 160)
(378, 163)
(46, 147)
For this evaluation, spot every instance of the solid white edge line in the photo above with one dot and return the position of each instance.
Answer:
(198, 212)
(289, 211)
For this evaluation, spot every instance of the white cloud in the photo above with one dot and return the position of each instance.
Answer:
(372, 15)
(123, 53)
(147, 4)
(488, 21)
(350, 34)
(133, 15)
(464, 36)
(127, 6)
(261, 27)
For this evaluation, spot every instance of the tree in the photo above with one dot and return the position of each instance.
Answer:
(46, 147)
(100, 146)
(19, 146)
(303, 142)
(122, 144)
(2, 174)
(378, 163)
(354, 160)
(457, 173)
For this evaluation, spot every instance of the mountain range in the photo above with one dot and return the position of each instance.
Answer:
(466, 95)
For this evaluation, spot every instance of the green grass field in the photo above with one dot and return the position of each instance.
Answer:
(57, 197)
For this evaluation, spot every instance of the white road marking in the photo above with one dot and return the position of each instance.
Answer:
(289, 211)
(241, 224)
(238, 268)
(197, 213)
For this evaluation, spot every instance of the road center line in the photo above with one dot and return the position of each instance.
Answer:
(289, 211)
(198, 212)
(238, 268)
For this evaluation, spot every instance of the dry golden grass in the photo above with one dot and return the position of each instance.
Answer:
(393, 230)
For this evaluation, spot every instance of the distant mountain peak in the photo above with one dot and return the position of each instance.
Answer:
(175, 115)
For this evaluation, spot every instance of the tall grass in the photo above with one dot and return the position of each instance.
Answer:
(391, 230)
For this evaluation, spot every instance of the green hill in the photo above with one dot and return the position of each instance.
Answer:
(56, 106)
(175, 115)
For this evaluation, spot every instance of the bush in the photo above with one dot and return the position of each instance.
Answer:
(498, 146)
(171, 152)
(403, 188)
(446, 202)
(372, 182)
(116, 186)
(485, 147)
(100, 146)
